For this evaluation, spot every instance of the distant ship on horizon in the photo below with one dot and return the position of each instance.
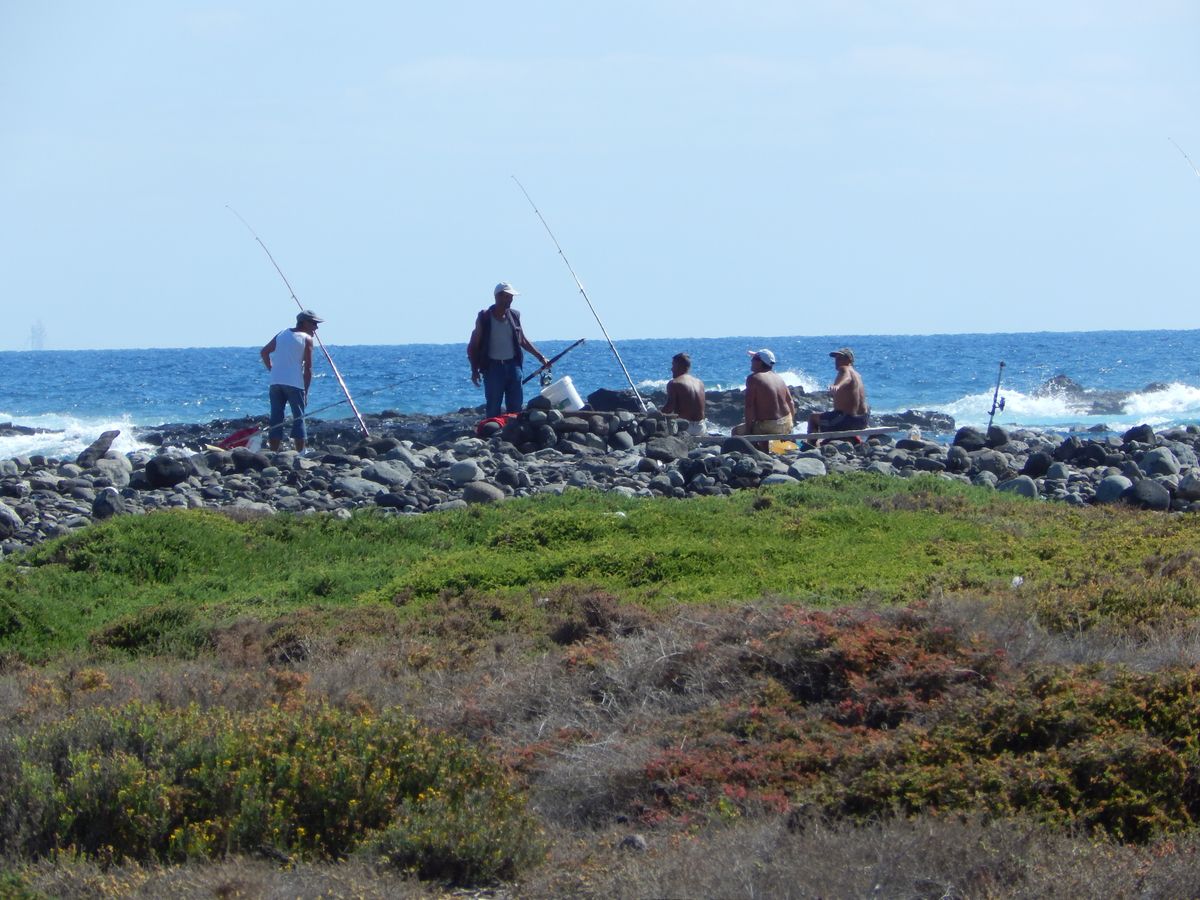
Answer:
(37, 336)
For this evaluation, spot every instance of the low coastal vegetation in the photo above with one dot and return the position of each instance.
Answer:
(852, 685)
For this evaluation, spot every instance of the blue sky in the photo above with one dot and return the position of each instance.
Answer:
(709, 170)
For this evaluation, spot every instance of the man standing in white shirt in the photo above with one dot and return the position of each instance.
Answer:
(288, 357)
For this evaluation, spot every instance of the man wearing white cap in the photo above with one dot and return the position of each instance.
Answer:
(770, 408)
(495, 352)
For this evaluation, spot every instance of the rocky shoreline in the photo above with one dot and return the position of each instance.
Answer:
(413, 464)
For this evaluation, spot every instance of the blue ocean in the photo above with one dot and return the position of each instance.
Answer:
(80, 393)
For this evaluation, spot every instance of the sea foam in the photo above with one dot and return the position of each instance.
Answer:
(67, 437)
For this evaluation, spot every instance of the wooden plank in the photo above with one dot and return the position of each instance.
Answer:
(816, 435)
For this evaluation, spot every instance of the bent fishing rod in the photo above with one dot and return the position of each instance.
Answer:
(1185, 156)
(545, 367)
(333, 368)
(997, 400)
(578, 284)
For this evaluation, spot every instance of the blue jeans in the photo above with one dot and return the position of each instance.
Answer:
(283, 395)
(502, 382)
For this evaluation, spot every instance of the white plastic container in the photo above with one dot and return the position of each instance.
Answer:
(563, 395)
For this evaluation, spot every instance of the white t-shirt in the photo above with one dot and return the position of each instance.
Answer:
(287, 362)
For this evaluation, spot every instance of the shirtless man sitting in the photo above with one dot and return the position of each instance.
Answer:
(769, 405)
(685, 394)
(850, 411)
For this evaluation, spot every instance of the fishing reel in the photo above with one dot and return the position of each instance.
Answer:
(546, 378)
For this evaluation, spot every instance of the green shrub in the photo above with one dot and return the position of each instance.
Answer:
(146, 783)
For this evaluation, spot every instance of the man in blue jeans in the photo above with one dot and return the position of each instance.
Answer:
(495, 352)
(288, 357)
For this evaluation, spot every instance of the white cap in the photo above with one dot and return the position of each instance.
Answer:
(504, 288)
(765, 355)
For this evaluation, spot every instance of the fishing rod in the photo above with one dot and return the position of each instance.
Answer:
(336, 374)
(997, 400)
(1185, 156)
(386, 387)
(551, 361)
(579, 284)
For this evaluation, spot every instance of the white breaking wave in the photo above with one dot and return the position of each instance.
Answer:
(653, 384)
(69, 437)
(1176, 402)
(803, 380)
(799, 379)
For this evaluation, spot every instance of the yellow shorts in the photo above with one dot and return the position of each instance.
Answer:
(782, 425)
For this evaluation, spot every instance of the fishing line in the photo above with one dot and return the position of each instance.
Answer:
(244, 434)
(1185, 156)
(579, 284)
(338, 375)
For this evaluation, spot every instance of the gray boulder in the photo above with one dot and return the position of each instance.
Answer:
(115, 469)
(993, 461)
(611, 400)
(1059, 471)
(738, 444)
(1090, 454)
(779, 478)
(245, 459)
(392, 473)
(807, 467)
(355, 486)
(984, 479)
(1112, 488)
(1067, 450)
(406, 456)
(969, 438)
(1189, 487)
(1149, 494)
(98, 448)
(465, 471)
(1159, 461)
(108, 503)
(168, 471)
(1139, 434)
(958, 459)
(668, 449)
(1022, 485)
(620, 440)
(1037, 464)
(10, 521)
(482, 492)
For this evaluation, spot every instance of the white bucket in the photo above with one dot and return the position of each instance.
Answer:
(563, 395)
